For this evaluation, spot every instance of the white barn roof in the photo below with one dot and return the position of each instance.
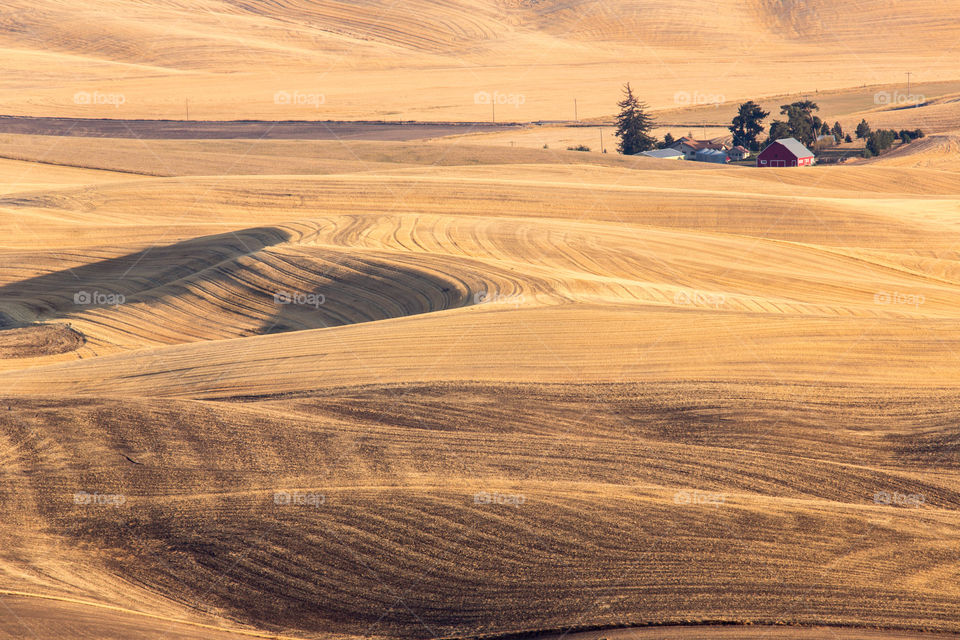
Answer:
(796, 147)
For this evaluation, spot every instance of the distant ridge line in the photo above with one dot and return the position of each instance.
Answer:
(242, 129)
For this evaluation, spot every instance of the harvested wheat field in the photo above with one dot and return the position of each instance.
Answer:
(481, 398)
(429, 59)
(373, 386)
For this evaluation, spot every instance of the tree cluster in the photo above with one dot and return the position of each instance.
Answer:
(907, 136)
(801, 123)
(667, 141)
(882, 139)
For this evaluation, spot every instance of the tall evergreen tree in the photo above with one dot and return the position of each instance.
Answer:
(633, 124)
(746, 126)
(863, 129)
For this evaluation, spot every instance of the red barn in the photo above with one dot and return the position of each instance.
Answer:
(785, 152)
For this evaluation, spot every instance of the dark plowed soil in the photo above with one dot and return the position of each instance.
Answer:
(39, 340)
(238, 129)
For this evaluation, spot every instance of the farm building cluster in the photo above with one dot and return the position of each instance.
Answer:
(785, 152)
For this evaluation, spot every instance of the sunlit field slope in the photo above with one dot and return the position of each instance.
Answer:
(415, 391)
(429, 59)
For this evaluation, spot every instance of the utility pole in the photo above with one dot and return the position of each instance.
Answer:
(601, 139)
(909, 73)
(186, 101)
(576, 118)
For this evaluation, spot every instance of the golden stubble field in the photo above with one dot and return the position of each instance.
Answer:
(456, 391)
(428, 59)
(457, 388)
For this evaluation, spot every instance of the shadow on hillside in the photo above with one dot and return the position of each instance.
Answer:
(107, 283)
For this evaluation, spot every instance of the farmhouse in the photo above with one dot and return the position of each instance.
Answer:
(738, 153)
(689, 147)
(785, 152)
(663, 154)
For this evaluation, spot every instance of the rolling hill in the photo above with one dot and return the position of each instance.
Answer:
(430, 59)
(410, 400)
(442, 386)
